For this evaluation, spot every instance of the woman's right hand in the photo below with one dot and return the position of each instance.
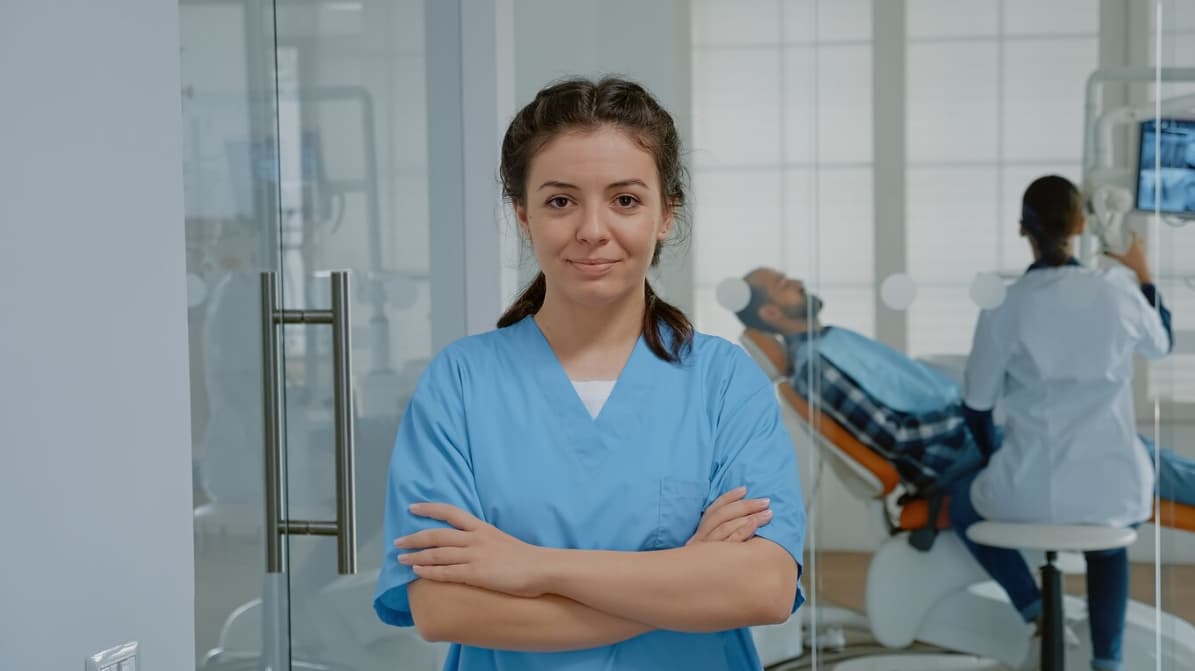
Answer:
(732, 518)
(1134, 259)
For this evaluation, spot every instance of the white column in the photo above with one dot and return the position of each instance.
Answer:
(888, 96)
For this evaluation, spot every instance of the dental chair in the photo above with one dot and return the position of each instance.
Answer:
(942, 596)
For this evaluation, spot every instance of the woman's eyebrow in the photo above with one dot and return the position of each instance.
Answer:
(558, 185)
(628, 182)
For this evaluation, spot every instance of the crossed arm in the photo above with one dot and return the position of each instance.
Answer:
(481, 587)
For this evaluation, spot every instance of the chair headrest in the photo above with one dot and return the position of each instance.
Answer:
(770, 348)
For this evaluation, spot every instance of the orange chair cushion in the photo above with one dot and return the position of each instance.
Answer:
(771, 348)
(915, 514)
(842, 439)
(1175, 515)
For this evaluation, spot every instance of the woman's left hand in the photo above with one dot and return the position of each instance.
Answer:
(471, 553)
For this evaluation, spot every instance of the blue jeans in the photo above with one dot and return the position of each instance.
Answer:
(1107, 581)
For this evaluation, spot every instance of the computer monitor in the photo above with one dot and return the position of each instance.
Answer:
(1166, 167)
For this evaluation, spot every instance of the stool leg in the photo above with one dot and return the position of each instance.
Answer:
(1053, 641)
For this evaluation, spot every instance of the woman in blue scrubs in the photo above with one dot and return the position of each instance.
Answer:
(1058, 356)
(549, 477)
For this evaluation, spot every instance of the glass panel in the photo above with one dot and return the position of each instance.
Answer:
(748, 23)
(353, 98)
(741, 219)
(739, 129)
(952, 226)
(1042, 79)
(1058, 17)
(952, 104)
(950, 19)
(845, 20)
(231, 196)
(1169, 414)
(841, 88)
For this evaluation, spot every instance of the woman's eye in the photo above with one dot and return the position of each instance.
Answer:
(627, 201)
(558, 202)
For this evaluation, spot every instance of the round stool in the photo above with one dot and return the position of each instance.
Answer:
(1052, 539)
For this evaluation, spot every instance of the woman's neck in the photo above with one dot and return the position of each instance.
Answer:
(592, 342)
(1069, 249)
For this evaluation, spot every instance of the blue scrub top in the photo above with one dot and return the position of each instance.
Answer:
(496, 428)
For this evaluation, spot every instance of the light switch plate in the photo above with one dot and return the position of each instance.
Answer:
(120, 658)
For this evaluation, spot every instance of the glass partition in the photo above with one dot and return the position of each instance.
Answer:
(1166, 195)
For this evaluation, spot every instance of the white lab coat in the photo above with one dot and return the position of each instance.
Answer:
(1058, 355)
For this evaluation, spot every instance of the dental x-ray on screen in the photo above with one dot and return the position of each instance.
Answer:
(1172, 178)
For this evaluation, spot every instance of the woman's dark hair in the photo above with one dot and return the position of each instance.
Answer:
(581, 104)
(1049, 210)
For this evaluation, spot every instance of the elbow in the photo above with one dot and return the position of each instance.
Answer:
(773, 603)
(432, 623)
(775, 608)
(429, 627)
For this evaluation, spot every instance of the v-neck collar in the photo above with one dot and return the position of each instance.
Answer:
(555, 383)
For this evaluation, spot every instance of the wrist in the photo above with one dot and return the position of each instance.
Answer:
(1144, 278)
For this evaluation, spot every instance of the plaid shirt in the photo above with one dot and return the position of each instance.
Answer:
(922, 446)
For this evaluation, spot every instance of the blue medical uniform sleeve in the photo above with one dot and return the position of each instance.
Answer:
(1155, 300)
(982, 428)
(983, 379)
(431, 463)
(753, 449)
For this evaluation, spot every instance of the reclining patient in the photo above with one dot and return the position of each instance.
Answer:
(914, 416)
(903, 409)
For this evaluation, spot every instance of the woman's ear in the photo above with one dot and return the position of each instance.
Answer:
(665, 226)
(669, 220)
(521, 216)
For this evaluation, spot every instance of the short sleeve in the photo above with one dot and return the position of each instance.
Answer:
(983, 379)
(754, 450)
(431, 463)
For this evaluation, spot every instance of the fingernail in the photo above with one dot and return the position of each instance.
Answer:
(767, 513)
(740, 489)
(398, 542)
(404, 559)
(765, 502)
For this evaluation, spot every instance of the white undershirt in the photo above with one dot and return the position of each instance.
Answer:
(594, 393)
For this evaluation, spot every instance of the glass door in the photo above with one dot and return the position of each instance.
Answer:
(231, 188)
(311, 266)
(353, 110)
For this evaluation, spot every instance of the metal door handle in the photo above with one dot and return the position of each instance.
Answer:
(345, 525)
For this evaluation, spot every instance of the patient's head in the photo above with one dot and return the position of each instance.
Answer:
(778, 304)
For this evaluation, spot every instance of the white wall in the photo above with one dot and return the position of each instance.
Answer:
(96, 478)
(645, 41)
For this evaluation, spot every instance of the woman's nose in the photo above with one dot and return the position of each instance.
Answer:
(593, 227)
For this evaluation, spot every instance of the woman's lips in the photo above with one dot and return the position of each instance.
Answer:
(592, 267)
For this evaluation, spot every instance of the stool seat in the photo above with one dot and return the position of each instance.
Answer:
(1050, 537)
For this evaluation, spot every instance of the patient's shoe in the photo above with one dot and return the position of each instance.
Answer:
(1033, 657)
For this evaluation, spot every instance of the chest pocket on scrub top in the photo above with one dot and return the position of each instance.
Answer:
(680, 508)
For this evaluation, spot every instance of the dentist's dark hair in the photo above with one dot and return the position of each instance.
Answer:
(581, 105)
(1049, 210)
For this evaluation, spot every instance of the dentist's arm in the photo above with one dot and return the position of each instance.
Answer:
(1158, 335)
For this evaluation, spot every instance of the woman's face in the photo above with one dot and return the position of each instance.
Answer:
(594, 213)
